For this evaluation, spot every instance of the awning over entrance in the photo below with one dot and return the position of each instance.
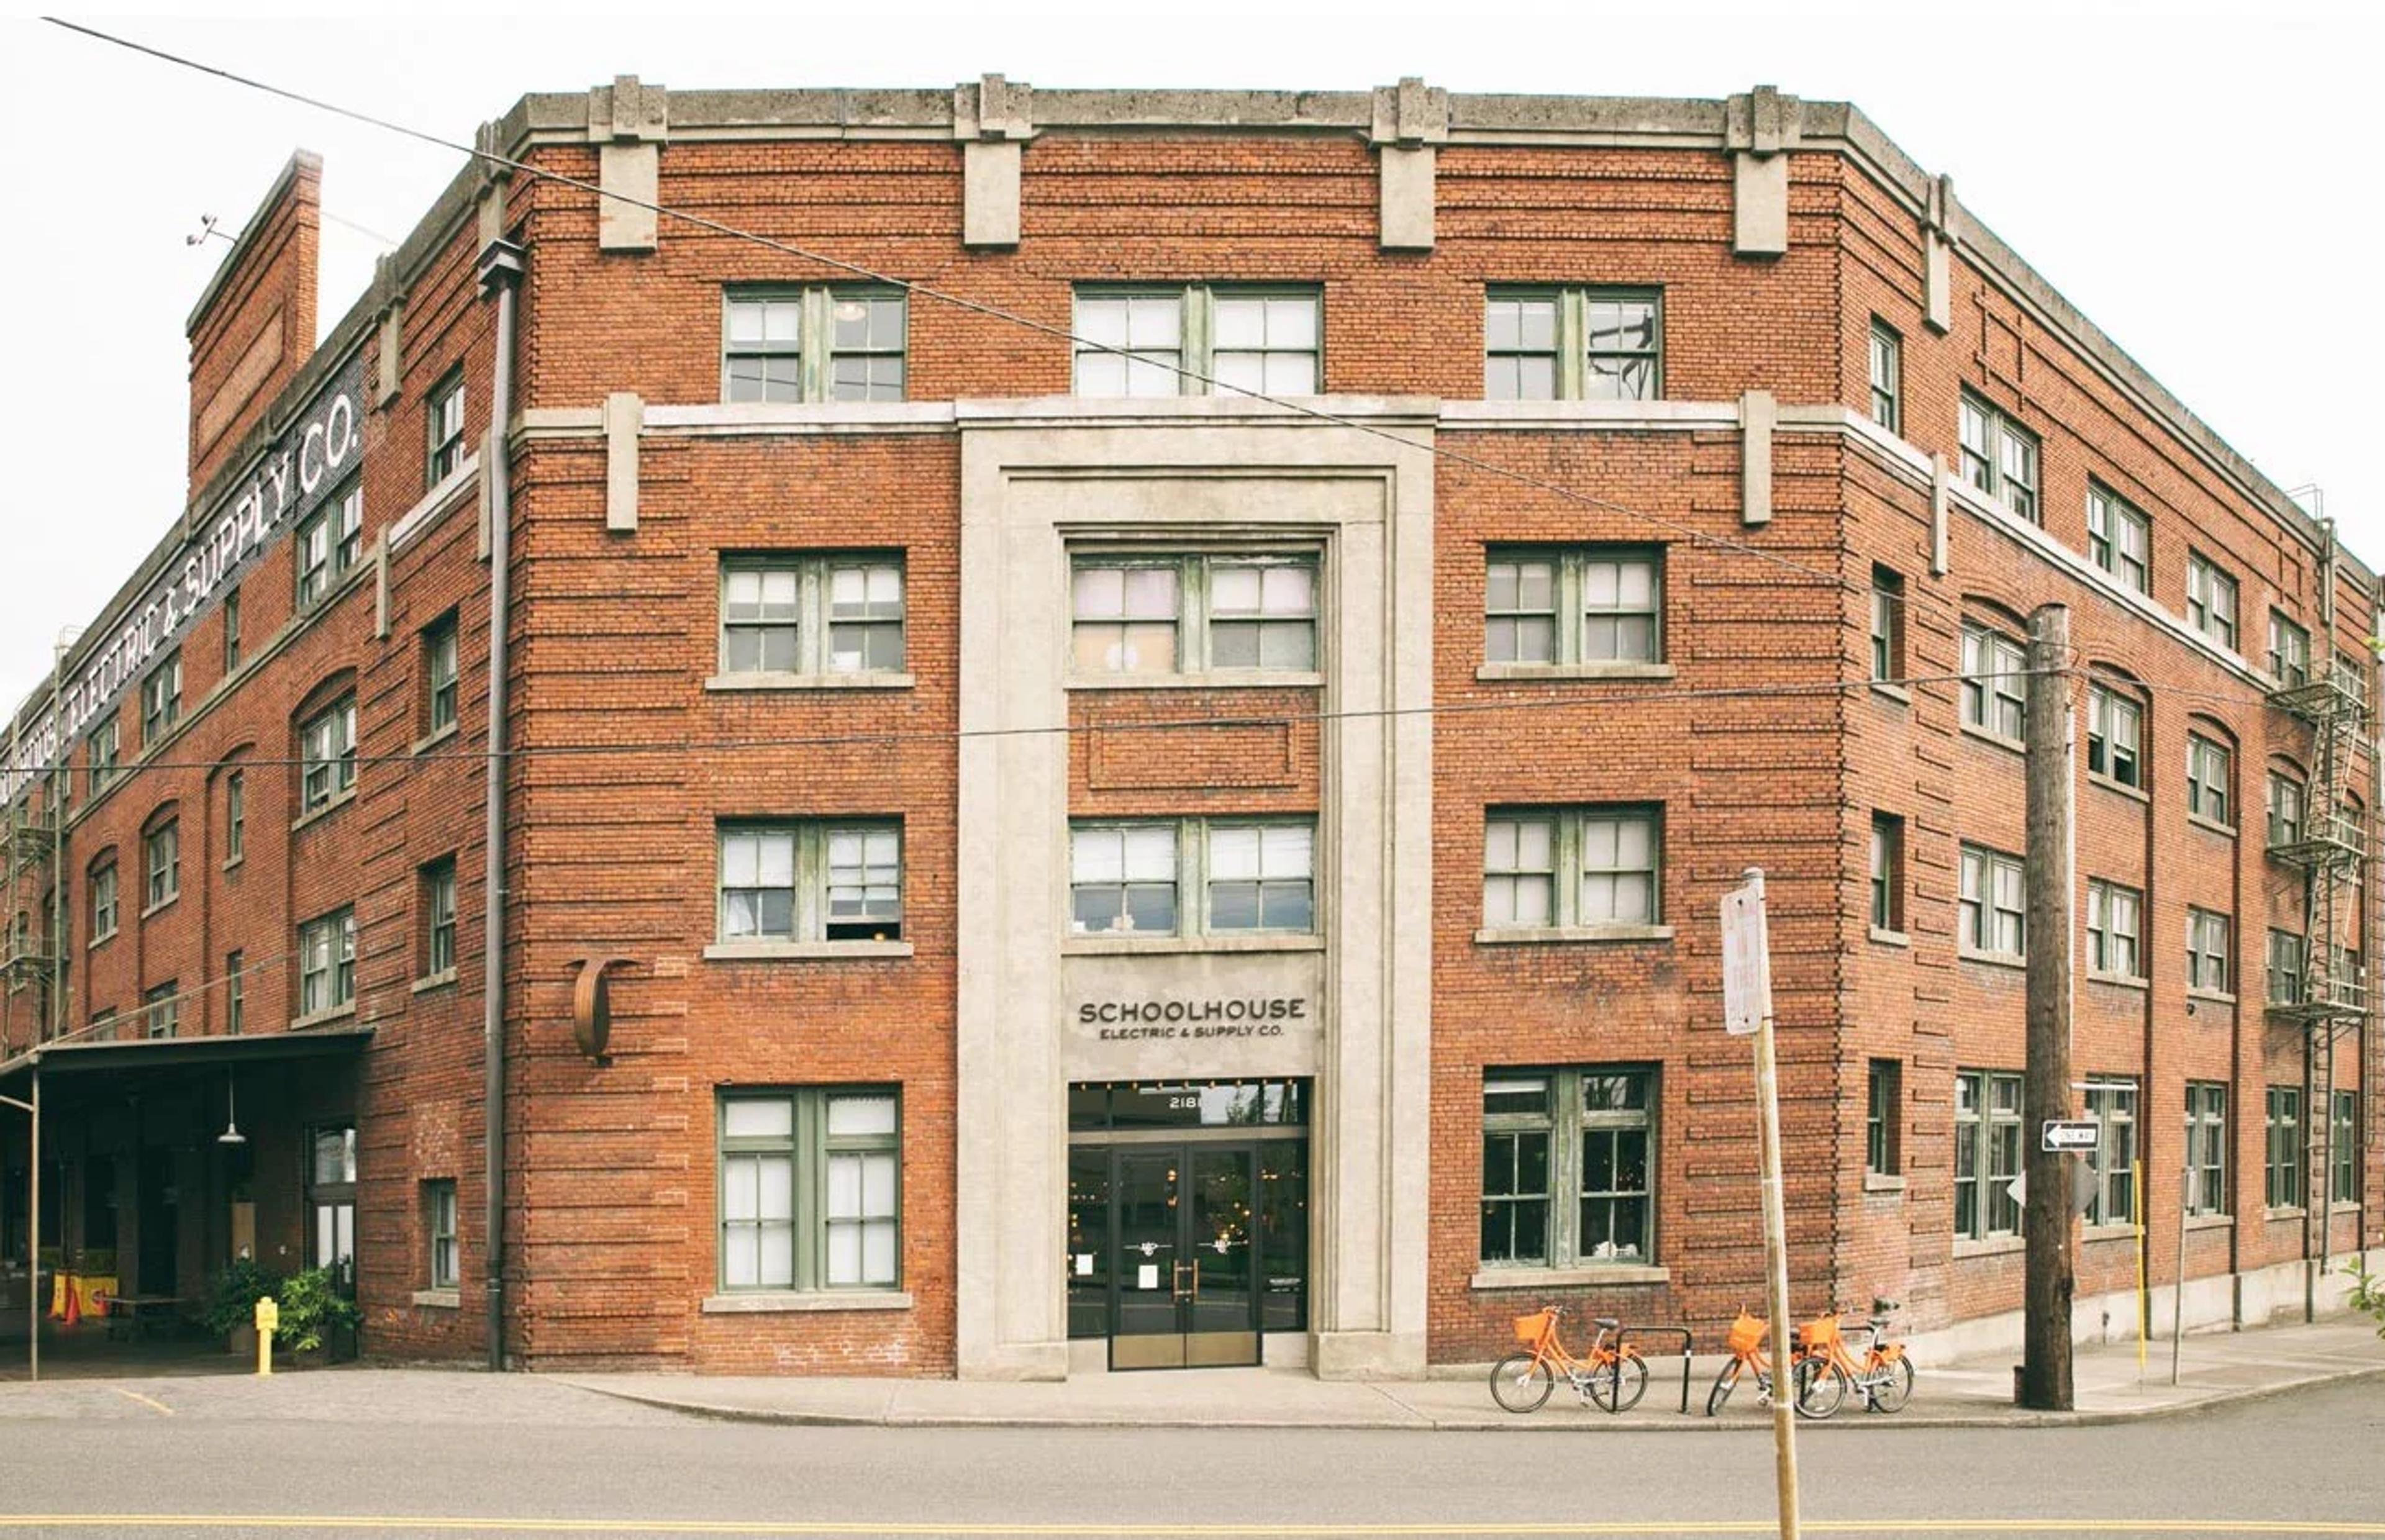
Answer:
(153, 1053)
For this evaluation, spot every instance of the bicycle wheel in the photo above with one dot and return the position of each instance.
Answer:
(1893, 1386)
(1617, 1386)
(1521, 1382)
(1725, 1381)
(1821, 1387)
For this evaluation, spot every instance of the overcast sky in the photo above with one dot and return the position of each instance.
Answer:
(2202, 184)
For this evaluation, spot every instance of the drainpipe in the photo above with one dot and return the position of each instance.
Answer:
(501, 270)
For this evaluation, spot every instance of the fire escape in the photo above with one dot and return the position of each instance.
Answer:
(28, 959)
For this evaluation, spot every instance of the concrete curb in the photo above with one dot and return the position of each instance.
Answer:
(1417, 1421)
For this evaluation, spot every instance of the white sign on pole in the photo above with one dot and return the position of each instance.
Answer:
(1746, 965)
(2070, 1133)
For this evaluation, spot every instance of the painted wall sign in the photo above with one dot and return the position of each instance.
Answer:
(290, 480)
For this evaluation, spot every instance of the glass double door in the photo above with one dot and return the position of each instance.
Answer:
(1183, 1259)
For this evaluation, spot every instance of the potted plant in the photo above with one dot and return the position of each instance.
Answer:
(231, 1301)
(315, 1313)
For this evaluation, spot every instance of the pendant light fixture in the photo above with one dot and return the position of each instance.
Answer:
(231, 1134)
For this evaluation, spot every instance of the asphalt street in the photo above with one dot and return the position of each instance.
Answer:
(405, 1452)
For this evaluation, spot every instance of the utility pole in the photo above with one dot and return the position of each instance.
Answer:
(2045, 1219)
(1747, 1010)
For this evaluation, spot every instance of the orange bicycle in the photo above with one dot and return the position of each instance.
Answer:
(1747, 1356)
(1612, 1376)
(1825, 1369)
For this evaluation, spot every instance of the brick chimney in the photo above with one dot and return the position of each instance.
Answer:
(253, 327)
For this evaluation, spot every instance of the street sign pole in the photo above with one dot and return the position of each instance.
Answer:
(1747, 1008)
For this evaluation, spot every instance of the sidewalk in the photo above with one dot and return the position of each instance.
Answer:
(2213, 1369)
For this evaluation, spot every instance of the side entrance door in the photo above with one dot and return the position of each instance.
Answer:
(1184, 1260)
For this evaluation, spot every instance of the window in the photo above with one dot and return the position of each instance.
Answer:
(811, 1189)
(2114, 733)
(1588, 604)
(813, 344)
(2343, 1185)
(438, 674)
(1612, 858)
(438, 897)
(1993, 911)
(1987, 1153)
(1162, 342)
(161, 1009)
(1573, 345)
(2112, 930)
(2285, 968)
(1994, 698)
(1887, 623)
(2113, 1106)
(2210, 601)
(2206, 1147)
(2206, 951)
(1192, 614)
(816, 880)
(330, 541)
(235, 816)
(2118, 538)
(1999, 457)
(161, 700)
(102, 1026)
(2207, 780)
(2289, 651)
(232, 629)
(103, 904)
(327, 962)
(331, 1203)
(2352, 675)
(1883, 1104)
(236, 993)
(328, 754)
(1887, 873)
(1568, 1167)
(439, 1227)
(161, 851)
(1195, 876)
(1887, 377)
(2282, 1172)
(446, 420)
(103, 755)
(807, 616)
(2286, 820)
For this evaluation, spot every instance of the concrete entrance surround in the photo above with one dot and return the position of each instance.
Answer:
(1036, 476)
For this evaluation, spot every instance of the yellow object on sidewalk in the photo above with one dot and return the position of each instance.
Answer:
(87, 1291)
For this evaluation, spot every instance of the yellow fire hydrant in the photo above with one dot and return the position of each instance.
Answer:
(268, 1320)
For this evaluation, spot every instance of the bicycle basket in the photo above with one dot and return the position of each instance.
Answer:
(1532, 1329)
(1746, 1335)
(1817, 1334)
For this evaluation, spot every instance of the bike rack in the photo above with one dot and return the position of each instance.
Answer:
(1682, 1332)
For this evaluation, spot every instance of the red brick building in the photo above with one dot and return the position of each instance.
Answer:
(1022, 858)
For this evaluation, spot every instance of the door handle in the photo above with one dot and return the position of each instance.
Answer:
(1196, 1280)
(1176, 1279)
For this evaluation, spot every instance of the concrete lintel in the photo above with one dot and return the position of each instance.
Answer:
(1941, 479)
(990, 193)
(1410, 114)
(1759, 412)
(1407, 192)
(632, 171)
(624, 414)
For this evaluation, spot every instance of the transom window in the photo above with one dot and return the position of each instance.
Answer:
(2113, 1106)
(2210, 601)
(1193, 877)
(1193, 614)
(1995, 698)
(1887, 377)
(2289, 651)
(1573, 345)
(1987, 1152)
(811, 1188)
(327, 962)
(2206, 951)
(161, 700)
(1611, 860)
(2119, 537)
(821, 343)
(1999, 457)
(162, 852)
(327, 747)
(1994, 912)
(1568, 1167)
(447, 426)
(2113, 920)
(2206, 1147)
(1172, 341)
(2115, 732)
(2207, 794)
(810, 615)
(1584, 605)
(817, 880)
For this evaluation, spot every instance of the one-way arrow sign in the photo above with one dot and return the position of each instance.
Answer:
(2077, 1135)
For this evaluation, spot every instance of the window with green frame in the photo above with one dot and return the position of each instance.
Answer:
(2343, 1185)
(1999, 457)
(1219, 612)
(2206, 1147)
(1611, 859)
(811, 1189)
(2113, 1106)
(1883, 1118)
(1174, 340)
(1193, 877)
(1573, 345)
(1570, 1166)
(1987, 1153)
(2281, 1175)
(1576, 604)
(791, 344)
(836, 879)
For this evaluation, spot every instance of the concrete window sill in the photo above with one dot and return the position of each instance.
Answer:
(1989, 1246)
(435, 981)
(1493, 1279)
(235, 863)
(1529, 672)
(1232, 679)
(2210, 1222)
(1891, 938)
(791, 1303)
(1881, 1181)
(322, 1018)
(161, 905)
(424, 745)
(881, 679)
(2212, 997)
(1994, 959)
(438, 1299)
(1994, 740)
(1526, 935)
(2107, 1232)
(1147, 946)
(792, 951)
(317, 816)
(98, 941)
(2134, 793)
(2295, 1211)
(2119, 981)
(1897, 693)
(2214, 825)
